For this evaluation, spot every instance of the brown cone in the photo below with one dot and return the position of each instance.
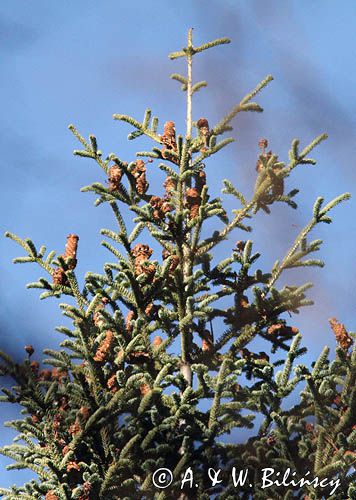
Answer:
(144, 389)
(115, 175)
(129, 317)
(59, 277)
(204, 131)
(341, 335)
(170, 184)
(112, 383)
(193, 201)
(84, 411)
(263, 144)
(141, 250)
(34, 419)
(51, 496)
(157, 341)
(168, 138)
(35, 367)
(260, 164)
(104, 347)
(141, 254)
(207, 341)
(71, 466)
(200, 180)
(160, 207)
(29, 349)
(74, 428)
(139, 173)
(240, 245)
(174, 261)
(71, 246)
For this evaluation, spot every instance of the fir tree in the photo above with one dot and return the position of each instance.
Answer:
(118, 401)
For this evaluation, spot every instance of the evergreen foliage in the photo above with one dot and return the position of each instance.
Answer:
(121, 399)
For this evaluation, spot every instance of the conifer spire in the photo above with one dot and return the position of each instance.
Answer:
(171, 324)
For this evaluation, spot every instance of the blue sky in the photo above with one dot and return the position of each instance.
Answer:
(80, 62)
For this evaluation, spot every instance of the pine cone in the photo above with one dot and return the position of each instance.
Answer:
(144, 389)
(112, 383)
(45, 374)
(87, 487)
(271, 440)
(236, 388)
(157, 341)
(204, 131)
(170, 184)
(115, 175)
(71, 246)
(29, 349)
(74, 428)
(98, 319)
(166, 207)
(72, 466)
(261, 356)
(168, 139)
(202, 123)
(174, 261)
(59, 374)
(260, 163)
(51, 496)
(141, 184)
(277, 185)
(57, 420)
(263, 144)
(120, 357)
(138, 357)
(156, 202)
(337, 400)
(70, 253)
(141, 250)
(104, 347)
(84, 411)
(244, 302)
(200, 180)
(165, 254)
(151, 311)
(139, 168)
(35, 367)
(309, 427)
(193, 201)
(139, 173)
(281, 329)
(129, 317)
(207, 341)
(145, 267)
(240, 246)
(34, 419)
(142, 253)
(341, 335)
(160, 207)
(64, 403)
(59, 277)
(65, 450)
